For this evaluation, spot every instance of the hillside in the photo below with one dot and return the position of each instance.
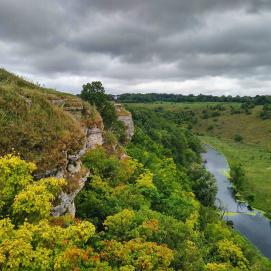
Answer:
(41, 124)
(239, 133)
(50, 128)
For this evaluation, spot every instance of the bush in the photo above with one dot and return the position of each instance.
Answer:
(237, 175)
(238, 138)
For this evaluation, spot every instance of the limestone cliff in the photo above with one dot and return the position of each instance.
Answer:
(126, 117)
(53, 130)
(73, 171)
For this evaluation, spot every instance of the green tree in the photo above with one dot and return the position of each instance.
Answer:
(94, 93)
(203, 185)
(237, 175)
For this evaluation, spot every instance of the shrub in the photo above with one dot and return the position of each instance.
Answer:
(238, 138)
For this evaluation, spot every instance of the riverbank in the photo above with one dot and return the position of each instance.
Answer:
(255, 161)
(252, 224)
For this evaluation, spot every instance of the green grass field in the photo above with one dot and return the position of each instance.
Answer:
(219, 130)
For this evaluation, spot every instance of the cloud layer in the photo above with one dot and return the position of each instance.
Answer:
(197, 46)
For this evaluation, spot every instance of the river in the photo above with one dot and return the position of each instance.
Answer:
(250, 223)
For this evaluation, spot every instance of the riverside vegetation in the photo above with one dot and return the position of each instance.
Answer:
(241, 131)
(151, 210)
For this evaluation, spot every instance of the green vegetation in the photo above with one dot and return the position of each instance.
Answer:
(94, 94)
(151, 210)
(36, 122)
(149, 197)
(179, 98)
(255, 162)
(144, 221)
(244, 138)
(266, 112)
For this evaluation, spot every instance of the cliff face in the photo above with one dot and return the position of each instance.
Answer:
(53, 130)
(73, 171)
(42, 125)
(125, 117)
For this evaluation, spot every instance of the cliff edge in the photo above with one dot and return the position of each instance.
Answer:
(53, 130)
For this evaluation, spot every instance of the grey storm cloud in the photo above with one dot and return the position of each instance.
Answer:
(208, 46)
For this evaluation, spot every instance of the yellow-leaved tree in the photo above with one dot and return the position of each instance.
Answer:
(15, 174)
(30, 239)
(34, 202)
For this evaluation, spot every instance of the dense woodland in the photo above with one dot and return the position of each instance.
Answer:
(152, 209)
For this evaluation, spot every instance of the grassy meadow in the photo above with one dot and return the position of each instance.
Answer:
(241, 135)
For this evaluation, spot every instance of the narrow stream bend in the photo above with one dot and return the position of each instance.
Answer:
(251, 224)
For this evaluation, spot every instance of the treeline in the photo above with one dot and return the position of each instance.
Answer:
(156, 97)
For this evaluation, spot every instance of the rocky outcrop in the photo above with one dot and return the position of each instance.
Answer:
(55, 131)
(95, 138)
(125, 117)
(73, 171)
(67, 199)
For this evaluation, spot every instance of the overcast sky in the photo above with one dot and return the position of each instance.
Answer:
(217, 47)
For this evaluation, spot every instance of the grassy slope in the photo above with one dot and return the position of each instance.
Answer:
(254, 153)
(31, 124)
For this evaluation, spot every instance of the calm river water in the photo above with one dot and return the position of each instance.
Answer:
(251, 224)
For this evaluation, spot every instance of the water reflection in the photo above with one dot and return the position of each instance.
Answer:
(250, 223)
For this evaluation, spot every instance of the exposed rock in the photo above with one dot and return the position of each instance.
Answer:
(74, 167)
(94, 137)
(58, 102)
(67, 200)
(126, 117)
(27, 100)
(123, 156)
(73, 170)
(129, 125)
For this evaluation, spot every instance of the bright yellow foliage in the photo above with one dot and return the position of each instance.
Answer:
(34, 247)
(217, 267)
(35, 201)
(145, 181)
(142, 255)
(120, 224)
(15, 174)
(229, 251)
